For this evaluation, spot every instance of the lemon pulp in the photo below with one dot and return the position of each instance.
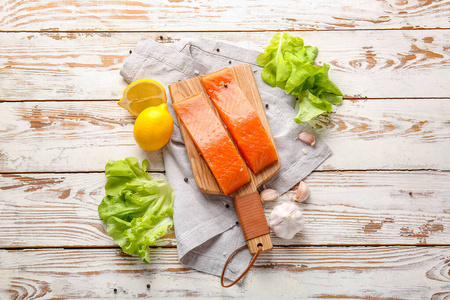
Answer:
(142, 94)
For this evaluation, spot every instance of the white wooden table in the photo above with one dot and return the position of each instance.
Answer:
(377, 221)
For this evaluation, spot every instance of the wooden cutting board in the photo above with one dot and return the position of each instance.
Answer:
(203, 176)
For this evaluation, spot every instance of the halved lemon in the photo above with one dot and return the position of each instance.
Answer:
(141, 94)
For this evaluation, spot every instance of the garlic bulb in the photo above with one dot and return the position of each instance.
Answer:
(269, 195)
(286, 220)
(302, 192)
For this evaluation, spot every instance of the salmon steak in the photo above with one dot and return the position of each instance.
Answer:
(213, 142)
(241, 119)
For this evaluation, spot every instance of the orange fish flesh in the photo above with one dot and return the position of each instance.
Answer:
(241, 119)
(213, 142)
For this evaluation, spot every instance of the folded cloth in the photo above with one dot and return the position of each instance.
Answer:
(206, 227)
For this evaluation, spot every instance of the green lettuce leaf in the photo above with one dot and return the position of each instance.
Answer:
(301, 70)
(289, 65)
(277, 69)
(322, 81)
(137, 210)
(310, 106)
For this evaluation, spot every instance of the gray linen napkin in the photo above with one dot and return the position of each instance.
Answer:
(206, 227)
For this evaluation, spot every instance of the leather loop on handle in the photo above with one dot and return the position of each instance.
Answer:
(245, 271)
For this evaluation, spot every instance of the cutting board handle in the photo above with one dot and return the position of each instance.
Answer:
(253, 222)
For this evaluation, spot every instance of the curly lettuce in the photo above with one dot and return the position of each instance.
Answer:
(137, 210)
(289, 65)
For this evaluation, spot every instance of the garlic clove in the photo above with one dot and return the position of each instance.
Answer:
(307, 137)
(269, 195)
(286, 220)
(302, 192)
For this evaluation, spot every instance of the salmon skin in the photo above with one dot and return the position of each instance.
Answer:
(241, 119)
(213, 142)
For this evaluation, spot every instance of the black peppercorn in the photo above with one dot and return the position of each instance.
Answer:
(148, 286)
(131, 51)
(115, 291)
(225, 85)
(186, 179)
(217, 49)
(161, 37)
(229, 62)
(267, 105)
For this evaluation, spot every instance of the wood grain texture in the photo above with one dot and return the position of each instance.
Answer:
(51, 136)
(81, 136)
(301, 273)
(377, 49)
(62, 209)
(385, 134)
(181, 15)
(85, 66)
(264, 240)
(345, 208)
(203, 177)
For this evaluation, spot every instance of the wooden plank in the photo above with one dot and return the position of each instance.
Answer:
(60, 208)
(284, 273)
(51, 136)
(81, 136)
(345, 208)
(387, 134)
(91, 15)
(79, 66)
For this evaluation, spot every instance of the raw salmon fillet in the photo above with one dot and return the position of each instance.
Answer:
(213, 142)
(241, 119)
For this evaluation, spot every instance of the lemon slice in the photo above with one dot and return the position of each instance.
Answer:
(141, 94)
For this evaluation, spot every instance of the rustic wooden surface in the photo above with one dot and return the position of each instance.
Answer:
(377, 221)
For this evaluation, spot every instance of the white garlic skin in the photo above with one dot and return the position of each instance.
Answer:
(302, 192)
(269, 195)
(307, 137)
(286, 220)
